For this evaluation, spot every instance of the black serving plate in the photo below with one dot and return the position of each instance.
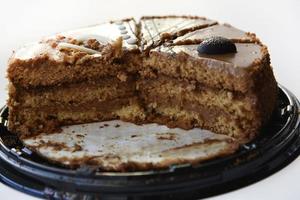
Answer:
(277, 146)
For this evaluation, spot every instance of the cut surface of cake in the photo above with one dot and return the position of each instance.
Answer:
(158, 70)
(221, 95)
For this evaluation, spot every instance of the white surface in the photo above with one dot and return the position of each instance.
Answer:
(275, 22)
(115, 144)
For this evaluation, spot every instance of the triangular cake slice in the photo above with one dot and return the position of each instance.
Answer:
(100, 45)
(156, 29)
(77, 76)
(224, 92)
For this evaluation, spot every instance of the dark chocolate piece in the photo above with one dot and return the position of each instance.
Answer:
(216, 45)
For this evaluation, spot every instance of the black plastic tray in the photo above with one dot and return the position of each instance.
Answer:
(277, 146)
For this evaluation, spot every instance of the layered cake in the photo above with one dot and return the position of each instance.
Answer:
(179, 71)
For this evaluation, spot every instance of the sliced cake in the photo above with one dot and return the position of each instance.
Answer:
(180, 71)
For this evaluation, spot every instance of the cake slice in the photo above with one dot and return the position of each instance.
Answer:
(100, 49)
(75, 77)
(223, 92)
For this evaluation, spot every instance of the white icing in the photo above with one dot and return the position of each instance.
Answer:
(103, 33)
(64, 45)
(37, 49)
(101, 39)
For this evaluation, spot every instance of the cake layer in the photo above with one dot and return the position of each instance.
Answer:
(186, 93)
(86, 53)
(243, 114)
(40, 108)
(189, 114)
(211, 119)
(108, 88)
(45, 70)
(29, 121)
(234, 71)
(184, 104)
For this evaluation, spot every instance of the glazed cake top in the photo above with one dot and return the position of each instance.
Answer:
(224, 30)
(154, 30)
(246, 55)
(105, 33)
(108, 33)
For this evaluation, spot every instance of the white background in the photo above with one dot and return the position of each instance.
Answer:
(277, 24)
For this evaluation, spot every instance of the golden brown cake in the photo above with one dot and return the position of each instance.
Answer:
(151, 71)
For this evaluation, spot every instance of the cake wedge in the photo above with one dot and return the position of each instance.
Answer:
(223, 92)
(78, 76)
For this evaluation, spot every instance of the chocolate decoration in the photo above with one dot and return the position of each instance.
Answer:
(123, 31)
(119, 22)
(132, 41)
(216, 45)
(126, 37)
(121, 27)
(155, 30)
